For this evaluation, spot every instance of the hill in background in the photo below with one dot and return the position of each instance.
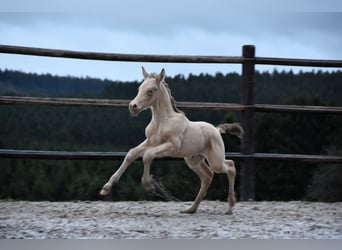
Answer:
(276, 87)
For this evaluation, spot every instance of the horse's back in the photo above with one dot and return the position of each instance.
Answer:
(198, 138)
(207, 129)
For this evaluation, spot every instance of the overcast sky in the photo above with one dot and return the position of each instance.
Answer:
(295, 29)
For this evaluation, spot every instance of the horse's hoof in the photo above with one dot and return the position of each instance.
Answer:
(229, 211)
(188, 211)
(105, 190)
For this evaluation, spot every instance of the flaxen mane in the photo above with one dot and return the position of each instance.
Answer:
(173, 102)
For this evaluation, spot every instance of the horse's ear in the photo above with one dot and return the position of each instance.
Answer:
(162, 75)
(145, 74)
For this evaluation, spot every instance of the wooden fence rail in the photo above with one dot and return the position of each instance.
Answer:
(167, 58)
(76, 155)
(117, 103)
(247, 105)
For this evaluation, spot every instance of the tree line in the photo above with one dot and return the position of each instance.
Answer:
(108, 129)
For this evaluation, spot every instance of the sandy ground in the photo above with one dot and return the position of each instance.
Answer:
(159, 220)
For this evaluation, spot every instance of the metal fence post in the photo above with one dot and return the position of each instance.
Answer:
(247, 174)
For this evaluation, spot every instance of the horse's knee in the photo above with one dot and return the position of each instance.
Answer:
(208, 172)
(147, 158)
(130, 157)
(206, 177)
(147, 183)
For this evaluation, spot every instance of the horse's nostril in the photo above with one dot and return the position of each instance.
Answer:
(133, 107)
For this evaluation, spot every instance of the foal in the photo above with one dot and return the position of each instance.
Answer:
(171, 134)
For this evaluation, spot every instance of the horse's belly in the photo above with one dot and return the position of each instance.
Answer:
(191, 148)
(194, 142)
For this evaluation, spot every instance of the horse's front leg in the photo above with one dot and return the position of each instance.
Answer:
(131, 156)
(162, 150)
(198, 165)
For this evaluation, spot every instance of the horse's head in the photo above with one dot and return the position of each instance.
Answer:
(148, 92)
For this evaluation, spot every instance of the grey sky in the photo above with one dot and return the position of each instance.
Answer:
(311, 30)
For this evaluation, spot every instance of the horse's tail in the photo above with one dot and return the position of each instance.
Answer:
(232, 128)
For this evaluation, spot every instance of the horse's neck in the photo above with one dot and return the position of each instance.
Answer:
(163, 107)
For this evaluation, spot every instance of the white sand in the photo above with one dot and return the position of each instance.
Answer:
(159, 220)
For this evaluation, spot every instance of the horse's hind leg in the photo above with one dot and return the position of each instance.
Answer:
(231, 172)
(220, 165)
(198, 165)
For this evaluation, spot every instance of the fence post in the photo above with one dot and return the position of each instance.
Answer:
(247, 174)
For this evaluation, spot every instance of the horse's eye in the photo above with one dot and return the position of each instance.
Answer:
(150, 92)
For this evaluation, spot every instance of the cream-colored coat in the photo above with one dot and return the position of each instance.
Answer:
(171, 134)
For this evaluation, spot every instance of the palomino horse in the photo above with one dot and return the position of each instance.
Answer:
(171, 134)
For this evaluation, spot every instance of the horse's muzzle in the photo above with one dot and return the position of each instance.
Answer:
(134, 109)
